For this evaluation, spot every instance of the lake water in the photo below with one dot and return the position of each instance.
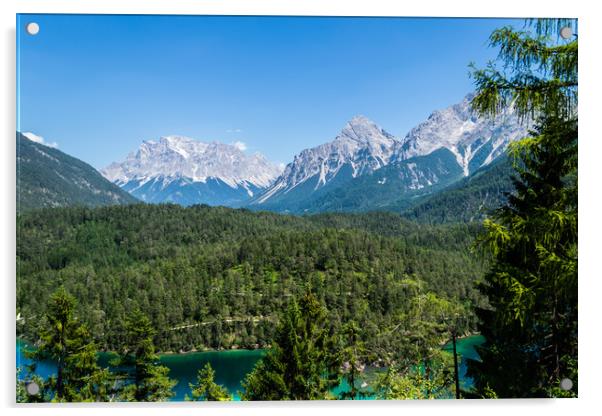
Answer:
(465, 347)
(232, 366)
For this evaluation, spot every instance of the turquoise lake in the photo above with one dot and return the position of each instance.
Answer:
(233, 365)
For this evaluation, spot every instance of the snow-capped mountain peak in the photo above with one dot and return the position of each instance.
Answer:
(451, 143)
(360, 147)
(458, 139)
(475, 141)
(179, 158)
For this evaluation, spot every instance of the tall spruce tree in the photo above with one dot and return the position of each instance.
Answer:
(69, 343)
(145, 380)
(531, 325)
(302, 363)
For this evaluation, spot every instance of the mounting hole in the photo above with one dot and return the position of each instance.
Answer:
(32, 388)
(32, 28)
(566, 32)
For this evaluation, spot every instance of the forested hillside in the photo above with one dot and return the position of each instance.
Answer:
(389, 187)
(47, 177)
(470, 200)
(218, 277)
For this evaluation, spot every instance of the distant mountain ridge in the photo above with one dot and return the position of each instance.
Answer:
(383, 188)
(363, 168)
(47, 177)
(470, 199)
(475, 141)
(360, 148)
(366, 168)
(187, 171)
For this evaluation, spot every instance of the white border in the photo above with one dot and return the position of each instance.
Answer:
(590, 156)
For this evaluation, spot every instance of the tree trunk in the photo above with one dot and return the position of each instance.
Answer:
(456, 375)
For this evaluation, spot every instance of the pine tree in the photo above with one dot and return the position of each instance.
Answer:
(531, 325)
(302, 363)
(353, 355)
(68, 342)
(145, 379)
(206, 388)
(536, 73)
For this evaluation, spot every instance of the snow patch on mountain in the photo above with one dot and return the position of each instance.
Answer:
(362, 145)
(177, 157)
(459, 129)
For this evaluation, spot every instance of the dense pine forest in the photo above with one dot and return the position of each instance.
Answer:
(216, 277)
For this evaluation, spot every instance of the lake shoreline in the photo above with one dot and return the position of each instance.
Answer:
(167, 353)
(223, 350)
(210, 350)
(231, 366)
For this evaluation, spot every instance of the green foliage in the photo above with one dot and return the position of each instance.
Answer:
(531, 324)
(419, 382)
(22, 396)
(205, 387)
(301, 365)
(21, 393)
(538, 75)
(47, 177)
(421, 369)
(68, 342)
(354, 356)
(211, 277)
(532, 286)
(144, 380)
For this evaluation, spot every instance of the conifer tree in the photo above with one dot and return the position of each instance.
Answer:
(302, 363)
(68, 342)
(145, 379)
(206, 389)
(531, 325)
(353, 356)
(421, 370)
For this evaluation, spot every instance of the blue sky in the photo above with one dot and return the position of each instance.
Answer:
(99, 85)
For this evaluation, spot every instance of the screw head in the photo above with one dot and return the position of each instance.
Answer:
(32, 28)
(566, 32)
(32, 388)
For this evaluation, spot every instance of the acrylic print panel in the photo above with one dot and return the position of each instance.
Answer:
(209, 209)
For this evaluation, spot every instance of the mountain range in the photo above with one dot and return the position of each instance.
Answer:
(363, 168)
(186, 171)
(453, 155)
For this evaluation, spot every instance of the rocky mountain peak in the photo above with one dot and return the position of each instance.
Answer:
(474, 140)
(196, 161)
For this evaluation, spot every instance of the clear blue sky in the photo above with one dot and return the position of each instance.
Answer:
(99, 85)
